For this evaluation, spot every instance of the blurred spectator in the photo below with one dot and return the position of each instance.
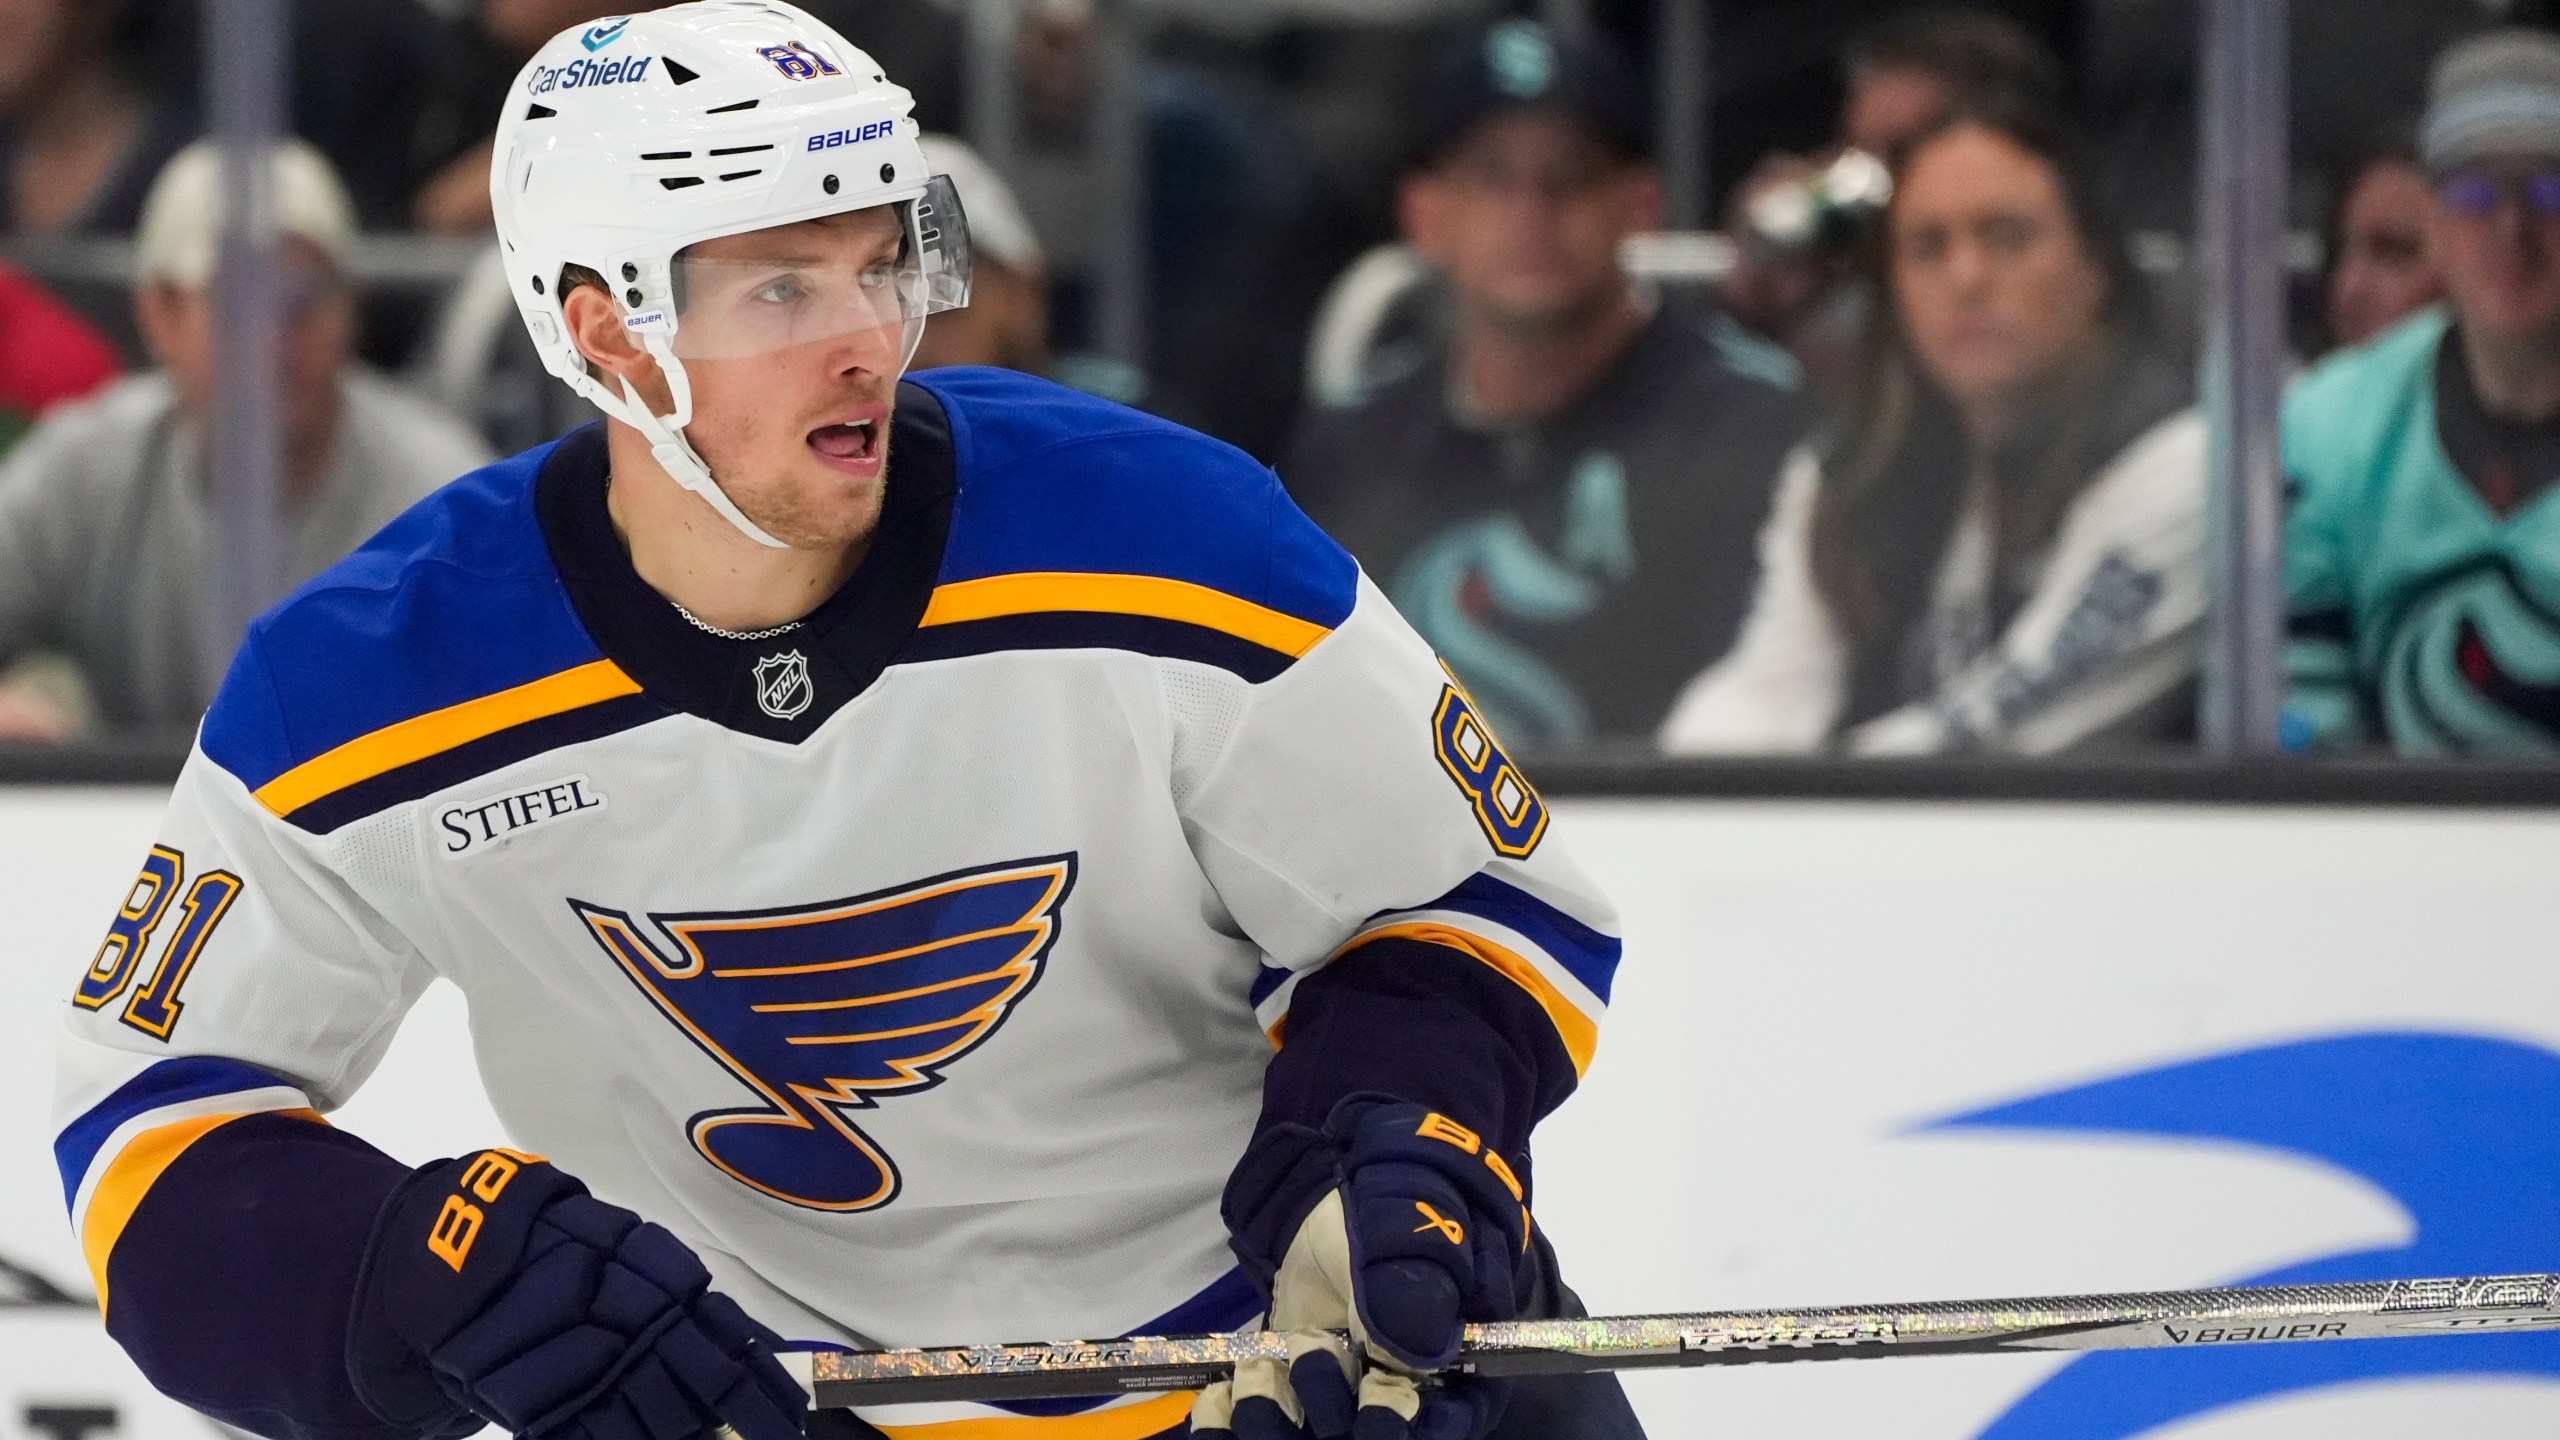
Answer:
(482, 55)
(917, 42)
(920, 44)
(104, 512)
(1796, 276)
(1007, 319)
(2379, 270)
(2002, 549)
(361, 76)
(82, 127)
(1562, 499)
(48, 355)
(1228, 275)
(1913, 71)
(2422, 551)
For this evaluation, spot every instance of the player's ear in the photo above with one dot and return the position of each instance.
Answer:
(595, 326)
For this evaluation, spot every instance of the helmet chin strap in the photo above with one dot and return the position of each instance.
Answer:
(667, 443)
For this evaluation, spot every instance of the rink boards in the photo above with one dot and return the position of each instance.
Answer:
(1858, 1053)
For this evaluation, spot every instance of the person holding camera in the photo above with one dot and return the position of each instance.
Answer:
(1800, 222)
(2001, 547)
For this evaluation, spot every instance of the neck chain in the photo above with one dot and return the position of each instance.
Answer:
(705, 626)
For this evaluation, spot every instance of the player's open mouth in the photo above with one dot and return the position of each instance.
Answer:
(857, 441)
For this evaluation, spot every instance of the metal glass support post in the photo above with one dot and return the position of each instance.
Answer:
(994, 102)
(1680, 89)
(1120, 147)
(245, 51)
(2241, 217)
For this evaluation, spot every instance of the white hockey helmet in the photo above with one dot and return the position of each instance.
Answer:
(625, 141)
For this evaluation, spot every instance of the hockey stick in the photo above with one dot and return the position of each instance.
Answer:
(2369, 1310)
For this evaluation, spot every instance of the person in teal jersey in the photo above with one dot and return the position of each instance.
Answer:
(2422, 546)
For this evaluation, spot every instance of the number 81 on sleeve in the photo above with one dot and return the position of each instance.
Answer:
(154, 1008)
(1513, 816)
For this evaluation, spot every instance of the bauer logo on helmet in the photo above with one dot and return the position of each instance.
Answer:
(834, 139)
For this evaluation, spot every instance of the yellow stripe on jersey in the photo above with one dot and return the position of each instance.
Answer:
(1580, 1033)
(1127, 1422)
(1151, 595)
(130, 1176)
(437, 731)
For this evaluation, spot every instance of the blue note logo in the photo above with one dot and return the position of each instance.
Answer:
(2459, 1129)
(824, 1010)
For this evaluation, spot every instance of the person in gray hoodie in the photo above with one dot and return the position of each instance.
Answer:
(107, 525)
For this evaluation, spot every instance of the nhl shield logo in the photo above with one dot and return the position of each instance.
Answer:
(782, 684)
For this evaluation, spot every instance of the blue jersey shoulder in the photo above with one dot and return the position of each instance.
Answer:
(1055, 480)
(455, 600)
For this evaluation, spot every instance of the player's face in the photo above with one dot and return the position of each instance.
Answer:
(1525, 218)
(793, 339)
(1997, 290)
(2384, 271)
(2495, 237)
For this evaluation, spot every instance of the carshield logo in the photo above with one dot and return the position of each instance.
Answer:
(600, 35)
(587, 74)
(2459, 1129)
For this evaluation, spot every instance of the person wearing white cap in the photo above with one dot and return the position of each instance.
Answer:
(1007, 319)
(2422, 549)
(106, 524)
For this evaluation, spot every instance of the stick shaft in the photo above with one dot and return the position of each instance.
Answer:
(2174, 1319)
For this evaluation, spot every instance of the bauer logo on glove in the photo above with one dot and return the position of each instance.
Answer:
(1396, 1224)
(457, 1225)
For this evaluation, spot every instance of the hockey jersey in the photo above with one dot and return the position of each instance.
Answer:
(926, 967)
(2422, 615)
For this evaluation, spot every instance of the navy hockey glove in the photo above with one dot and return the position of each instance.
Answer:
(1397, 1224)
(496, 1287)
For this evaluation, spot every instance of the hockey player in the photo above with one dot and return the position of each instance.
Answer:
(962, 860)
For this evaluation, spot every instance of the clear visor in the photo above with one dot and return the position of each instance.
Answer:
(867, 277)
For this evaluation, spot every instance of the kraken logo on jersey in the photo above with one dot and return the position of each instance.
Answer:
(821, 1009)
(2471, 663)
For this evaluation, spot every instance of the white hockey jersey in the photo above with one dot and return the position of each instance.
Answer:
(920, 967)
(2105, 639)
